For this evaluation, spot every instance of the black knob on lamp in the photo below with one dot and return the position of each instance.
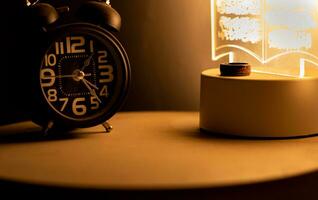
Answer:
(235, 69)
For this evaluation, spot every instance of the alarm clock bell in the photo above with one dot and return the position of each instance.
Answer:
(279, 97)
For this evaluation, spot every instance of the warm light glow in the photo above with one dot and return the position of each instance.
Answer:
(268, 30)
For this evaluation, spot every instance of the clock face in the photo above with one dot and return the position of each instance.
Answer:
(82, 75)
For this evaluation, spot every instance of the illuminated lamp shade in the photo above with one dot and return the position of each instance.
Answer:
(279, 39)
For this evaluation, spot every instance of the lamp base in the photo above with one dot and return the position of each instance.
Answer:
(259, 105)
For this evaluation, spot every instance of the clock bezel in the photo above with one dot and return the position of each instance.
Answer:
(101, 34)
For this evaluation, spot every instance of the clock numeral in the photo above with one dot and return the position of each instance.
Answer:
(48, 77)
(91, 46)
(75, 44)
(106, 73)
(79, 109)
(65, 101)
(52, 95)
(104, 91)
(95, 103)
(102, 58)
(59, 48)
(50, 60)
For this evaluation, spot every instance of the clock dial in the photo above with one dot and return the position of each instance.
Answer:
(81, 76)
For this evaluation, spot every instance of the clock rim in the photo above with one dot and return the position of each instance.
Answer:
(63, 122)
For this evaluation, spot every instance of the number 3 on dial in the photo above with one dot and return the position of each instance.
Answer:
(106, 71)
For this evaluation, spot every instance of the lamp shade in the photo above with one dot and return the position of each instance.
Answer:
(276, 36)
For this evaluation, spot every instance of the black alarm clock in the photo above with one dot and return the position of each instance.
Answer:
(81, 70)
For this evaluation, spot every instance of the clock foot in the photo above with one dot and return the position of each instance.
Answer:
(47, 128)
(108, 127)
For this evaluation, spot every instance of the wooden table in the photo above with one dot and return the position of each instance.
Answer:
(153, 151)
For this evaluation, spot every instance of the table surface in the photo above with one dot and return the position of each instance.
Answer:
(149, 150)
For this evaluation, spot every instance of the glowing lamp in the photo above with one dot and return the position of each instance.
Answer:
(279, 39)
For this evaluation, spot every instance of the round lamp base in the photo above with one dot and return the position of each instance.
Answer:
(259, 105)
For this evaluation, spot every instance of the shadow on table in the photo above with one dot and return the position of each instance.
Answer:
(27, 132)
(197, 133)
(299, 187)
(36, 136)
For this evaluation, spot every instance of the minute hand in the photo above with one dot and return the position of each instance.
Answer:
(91, 84)
(93, 93)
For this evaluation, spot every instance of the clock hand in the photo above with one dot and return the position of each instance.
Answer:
(91, 84)
(93, 93)
(87, 62)
(62, 76)
(67, 76)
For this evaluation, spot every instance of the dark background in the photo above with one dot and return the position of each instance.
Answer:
(168, 43)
